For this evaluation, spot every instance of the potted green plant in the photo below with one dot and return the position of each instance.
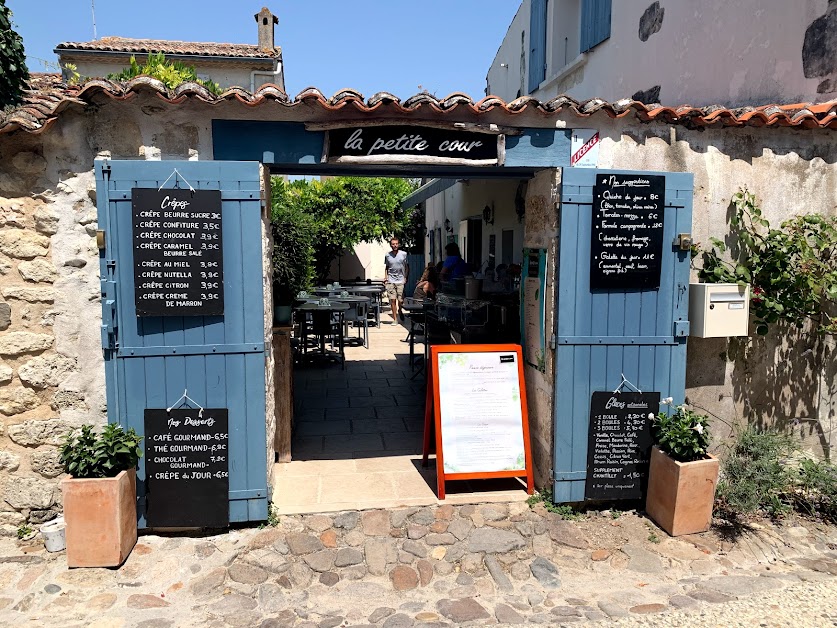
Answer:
(683, 474)
(100, 495)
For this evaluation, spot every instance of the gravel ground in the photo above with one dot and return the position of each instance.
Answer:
(804, 605)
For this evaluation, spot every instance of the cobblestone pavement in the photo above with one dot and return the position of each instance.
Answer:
(437, 566)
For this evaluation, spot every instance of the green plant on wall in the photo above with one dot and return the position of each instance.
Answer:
(293, 246)
(792, 269)
(171, 73)
(13, 71)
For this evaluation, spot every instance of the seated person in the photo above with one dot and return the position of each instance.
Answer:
(426, 286)
(454, 266)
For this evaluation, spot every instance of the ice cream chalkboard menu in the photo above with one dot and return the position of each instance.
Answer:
(627, 244)
(178, 259)
(187, 468)
(619, 446)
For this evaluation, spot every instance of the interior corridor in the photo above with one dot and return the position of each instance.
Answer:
(357, 439)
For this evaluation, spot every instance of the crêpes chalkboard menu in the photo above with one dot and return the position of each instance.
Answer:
(187, 468)
(619, 446)
(178, 260)
(627, 245)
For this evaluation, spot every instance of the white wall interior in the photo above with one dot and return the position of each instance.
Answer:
(468, 199)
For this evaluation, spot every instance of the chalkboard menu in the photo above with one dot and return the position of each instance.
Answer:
(619, 446)
(627, 245)
(187, 468)
(178, 259)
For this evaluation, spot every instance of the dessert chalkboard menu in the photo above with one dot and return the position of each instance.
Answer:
(619, 446)
(187, 468)
(178, 260)
(627, 245)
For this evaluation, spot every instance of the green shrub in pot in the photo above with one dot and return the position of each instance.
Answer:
(87, 454)
(681, 433)
(100, 496)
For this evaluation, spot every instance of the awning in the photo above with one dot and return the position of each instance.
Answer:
(428, 190)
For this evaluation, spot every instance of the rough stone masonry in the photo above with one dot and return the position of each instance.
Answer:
(49, 287)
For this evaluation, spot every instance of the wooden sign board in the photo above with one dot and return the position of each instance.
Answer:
(412, 144)
(187, 468)
(178, 253)
(477, 405)
(627, 244)
(619, 445)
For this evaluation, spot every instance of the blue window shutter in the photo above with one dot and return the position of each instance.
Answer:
(537, 44)
(595, 23)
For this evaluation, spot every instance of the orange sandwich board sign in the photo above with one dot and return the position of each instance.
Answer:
(476, 401)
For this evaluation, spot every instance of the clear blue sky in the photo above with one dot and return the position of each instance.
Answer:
(399, 46)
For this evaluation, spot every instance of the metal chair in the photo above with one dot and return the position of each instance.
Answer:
(358, 314)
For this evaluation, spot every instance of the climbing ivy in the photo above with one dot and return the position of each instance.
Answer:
(792, 270)
(13, 71)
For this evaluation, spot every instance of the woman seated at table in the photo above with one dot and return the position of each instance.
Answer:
(426, 286)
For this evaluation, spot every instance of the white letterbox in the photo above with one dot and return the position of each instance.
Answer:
(718, 310)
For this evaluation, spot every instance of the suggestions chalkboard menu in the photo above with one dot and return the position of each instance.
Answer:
(187, 468)
(619, 446)
(627, 245)
(178, 260)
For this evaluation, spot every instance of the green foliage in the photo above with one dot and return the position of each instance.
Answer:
(653, 538)
(564, 511)
(293, 246)
(682, 434)
(171, 73)
(792, 270)
(344, 211)
(754, 475)
(816, 489)
(90, 455)
(24, 530)
(13, 71)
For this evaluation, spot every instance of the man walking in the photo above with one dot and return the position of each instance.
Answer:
(397, 272)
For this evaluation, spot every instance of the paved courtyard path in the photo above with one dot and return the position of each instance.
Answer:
(488, 564)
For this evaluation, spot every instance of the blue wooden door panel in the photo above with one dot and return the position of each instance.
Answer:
(602, 335)
(220, 360)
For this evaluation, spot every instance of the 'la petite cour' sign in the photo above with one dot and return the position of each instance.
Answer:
(412, 144)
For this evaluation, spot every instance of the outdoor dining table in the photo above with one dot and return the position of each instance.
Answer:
(322, 325)
(417, 312)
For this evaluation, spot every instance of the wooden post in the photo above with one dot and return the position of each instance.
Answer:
(284, 386)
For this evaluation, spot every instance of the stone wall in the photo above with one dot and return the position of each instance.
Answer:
(541, 231)
(51, 370)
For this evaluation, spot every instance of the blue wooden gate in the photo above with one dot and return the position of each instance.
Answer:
(150, 361)
(601, 335)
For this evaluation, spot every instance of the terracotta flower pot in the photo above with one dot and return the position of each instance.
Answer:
(681, 494)
(101, 518)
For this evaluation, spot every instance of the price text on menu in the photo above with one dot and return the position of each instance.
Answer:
(187, 467)
(627, 245)
(619, 446)
(178, 254)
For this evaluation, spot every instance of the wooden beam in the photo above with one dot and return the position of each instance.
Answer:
(488, 129)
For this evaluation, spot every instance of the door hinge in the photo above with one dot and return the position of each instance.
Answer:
(106, 170)
(553, 342)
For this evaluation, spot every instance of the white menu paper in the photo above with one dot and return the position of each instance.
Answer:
(481, 412)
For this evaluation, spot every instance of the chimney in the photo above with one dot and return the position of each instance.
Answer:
(266, 21)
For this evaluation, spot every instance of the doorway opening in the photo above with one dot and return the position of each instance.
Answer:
(357, 431)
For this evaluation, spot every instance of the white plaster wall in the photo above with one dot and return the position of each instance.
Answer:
(223, 74)
(364, 260)
(467, 199)
(708, 52)
(509, 82)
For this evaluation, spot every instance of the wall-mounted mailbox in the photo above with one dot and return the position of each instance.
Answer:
(719, 310)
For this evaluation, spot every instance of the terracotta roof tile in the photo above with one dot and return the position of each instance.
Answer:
(48, 96)
(144, 46)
